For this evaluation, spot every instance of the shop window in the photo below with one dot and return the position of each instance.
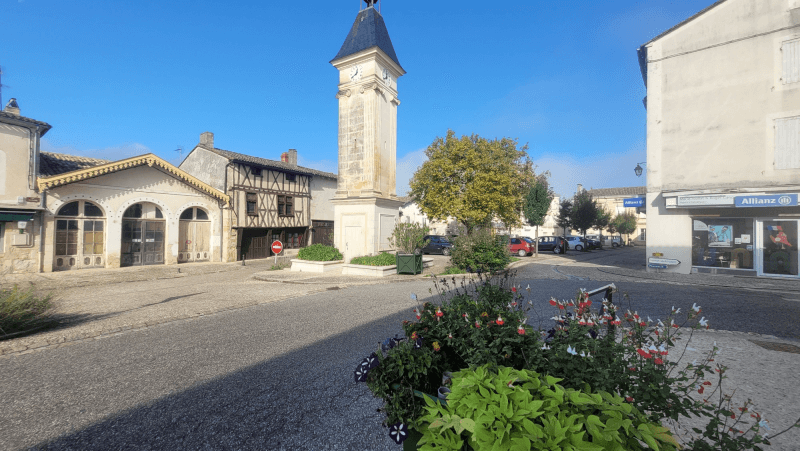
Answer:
(787, 143)
(285, 205)
(91, 210)
(722, 242)
(251, 204)
(70, 209)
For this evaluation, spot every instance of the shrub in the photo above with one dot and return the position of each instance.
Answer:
(513, 409)
(22, 311)
(480, 252)
(382, 259)
(407, 237)
(320, 253)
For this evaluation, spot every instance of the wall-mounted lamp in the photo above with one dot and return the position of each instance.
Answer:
(638, 169)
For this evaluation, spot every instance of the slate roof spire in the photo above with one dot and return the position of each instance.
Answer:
(368, 31)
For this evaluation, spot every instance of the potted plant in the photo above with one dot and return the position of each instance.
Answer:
(408, 238)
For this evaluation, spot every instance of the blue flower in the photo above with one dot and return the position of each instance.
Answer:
(398, 432)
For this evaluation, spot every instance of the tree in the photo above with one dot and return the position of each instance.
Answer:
(537, 203)
(584, 212)
(564, 219)
(625, 223)
(603, 220)
(472, 180)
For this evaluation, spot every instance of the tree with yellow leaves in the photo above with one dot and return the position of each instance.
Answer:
(473, 180)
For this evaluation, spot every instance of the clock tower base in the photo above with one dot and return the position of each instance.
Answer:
(363, 225)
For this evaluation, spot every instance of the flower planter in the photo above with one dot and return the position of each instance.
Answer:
(409, 263)
(367, 270)
(314, 266)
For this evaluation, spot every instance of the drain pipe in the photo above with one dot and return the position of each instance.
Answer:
(42, 204)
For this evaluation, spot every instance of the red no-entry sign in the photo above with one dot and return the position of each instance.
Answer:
(277, 247)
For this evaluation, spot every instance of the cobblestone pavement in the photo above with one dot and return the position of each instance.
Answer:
(219, 360)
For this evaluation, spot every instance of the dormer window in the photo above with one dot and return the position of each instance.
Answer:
(291, 177)
(256, 172)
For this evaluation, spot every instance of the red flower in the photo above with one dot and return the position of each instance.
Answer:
(414, 335)
(439, 312)
(553, 302)
(513, 289)
(644, 353)
(500, 321)
(478, 324)
(484, 314)
(706, 383)
(658, 361)
(560, 307)
(733, 415)
(436, 346)
(629, 399)
(450, 335)
(632, 368)
(700, 390)
(521, 330)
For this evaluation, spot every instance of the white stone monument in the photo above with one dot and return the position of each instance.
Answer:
(365, 203)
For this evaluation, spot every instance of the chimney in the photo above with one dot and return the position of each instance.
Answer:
(285, 157)
(12, 107)
(207, 140)
(292, 157)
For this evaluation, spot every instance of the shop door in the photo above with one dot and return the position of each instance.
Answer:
(778, 247)
(142, 243)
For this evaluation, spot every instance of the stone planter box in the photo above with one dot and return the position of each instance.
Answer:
(312, 266)
(377, 271)
(366, 270)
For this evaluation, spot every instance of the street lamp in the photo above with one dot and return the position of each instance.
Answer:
(638, 169)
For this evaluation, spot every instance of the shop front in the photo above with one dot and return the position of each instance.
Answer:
(755, 235)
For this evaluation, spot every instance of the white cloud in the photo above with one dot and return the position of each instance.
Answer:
(406, 167)
(119, 152)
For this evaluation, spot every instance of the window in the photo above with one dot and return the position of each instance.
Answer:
(92, 210)
(144, 210)
(291, 177)
(285, 206)
(643, 235)
(194, 213)
(251, 204)
(67, 237)
(723, 242)
(791, 62)
(70, 209)
(787, 143)
(256, 172)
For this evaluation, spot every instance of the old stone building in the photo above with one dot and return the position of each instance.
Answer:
(270, 200)
(723, 140)
(21, 205)
(612, 200)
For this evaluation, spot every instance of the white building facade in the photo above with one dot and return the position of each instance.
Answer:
(723, 141)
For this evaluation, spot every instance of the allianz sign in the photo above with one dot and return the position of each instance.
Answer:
(777, 200)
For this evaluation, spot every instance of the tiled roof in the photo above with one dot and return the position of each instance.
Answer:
(263, 162)
(368, 31)
(615, 192)
(45, 126)
(58, 163)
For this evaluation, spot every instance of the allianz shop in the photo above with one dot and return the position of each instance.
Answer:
(744, 234)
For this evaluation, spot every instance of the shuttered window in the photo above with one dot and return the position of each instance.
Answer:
(791, 61)
(787, 143)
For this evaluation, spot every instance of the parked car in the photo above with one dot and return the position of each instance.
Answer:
(437, 244)
(552, 243)
(593, 243)
(613, 241)
(520, 246)
(577, 243)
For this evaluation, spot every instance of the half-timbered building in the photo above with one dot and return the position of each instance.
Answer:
(270, 200)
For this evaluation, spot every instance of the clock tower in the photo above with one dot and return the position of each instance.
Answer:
(365, 203)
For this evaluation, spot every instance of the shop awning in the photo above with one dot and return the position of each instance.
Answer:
(8, 216)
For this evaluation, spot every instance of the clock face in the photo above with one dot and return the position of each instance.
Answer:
(387, 77)
(355, 73)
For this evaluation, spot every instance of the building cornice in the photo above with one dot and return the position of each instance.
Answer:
(151, 160)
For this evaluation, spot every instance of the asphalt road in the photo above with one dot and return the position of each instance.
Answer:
(279, 376)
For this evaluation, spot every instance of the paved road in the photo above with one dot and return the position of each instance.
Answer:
(278, 376)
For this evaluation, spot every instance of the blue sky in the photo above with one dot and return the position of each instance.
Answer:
(117, 79)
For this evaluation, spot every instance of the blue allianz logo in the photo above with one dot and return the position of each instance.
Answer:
(775, 200)
(633, 202)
